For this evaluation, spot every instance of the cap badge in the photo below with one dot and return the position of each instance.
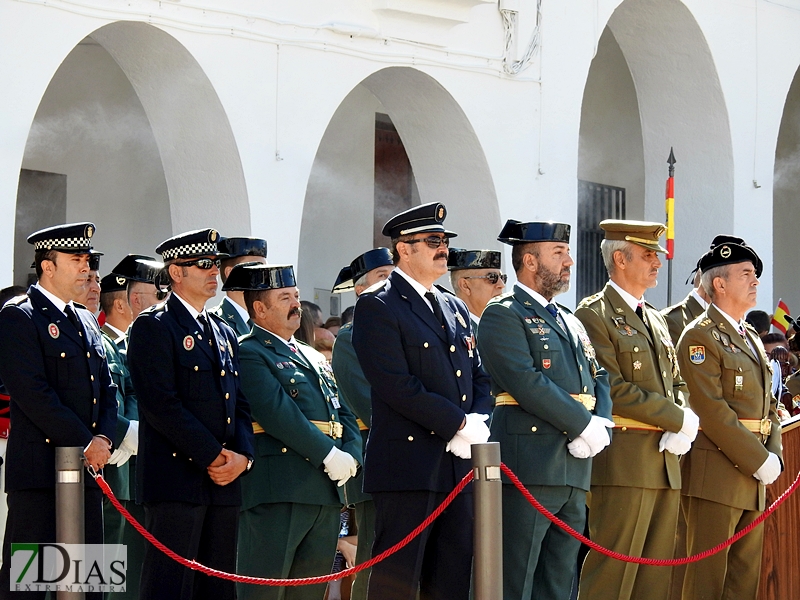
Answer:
(725, 252)
(120, 280)
(89, 231)
(213, 235)
(188, 342)
(53, 330)
(440, 213)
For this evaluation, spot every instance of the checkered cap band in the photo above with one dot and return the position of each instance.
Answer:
(200, 249)
(73, 243)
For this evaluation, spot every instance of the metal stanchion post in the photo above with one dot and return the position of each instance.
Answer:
(488, 561)
(69, 503)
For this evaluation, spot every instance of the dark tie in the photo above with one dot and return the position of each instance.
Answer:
(437, 309)
(73, 318)
(201, 318)
(553, 310)
(640, 313)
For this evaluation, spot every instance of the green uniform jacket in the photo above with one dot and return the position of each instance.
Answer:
(286, 391)
(127, 410)
(727, 382)
(645, 385)
(530, 357)
(228, 313)
(355, 393)
(678, 316)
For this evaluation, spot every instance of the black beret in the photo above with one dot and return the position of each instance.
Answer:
(258, 276)
(472, 259)
(243, 246)
(201, 242)
(426, 218)
(138, 267)
(113, 283)
(730, 253)
(516, 232)
(361, 265)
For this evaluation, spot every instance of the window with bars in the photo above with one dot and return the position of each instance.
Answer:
(596, 202)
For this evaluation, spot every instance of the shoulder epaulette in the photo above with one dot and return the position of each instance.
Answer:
(346, 326)
(443, 289)
(705, 322)
(375, 287)
(16, 300)
(589, 300)
(79, 305)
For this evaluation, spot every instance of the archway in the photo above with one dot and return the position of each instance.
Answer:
(134, 123)
(670, 96)
(446, 157)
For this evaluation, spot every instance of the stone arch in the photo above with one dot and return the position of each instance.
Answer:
(446, 156)
(167, 161)
(674, 99)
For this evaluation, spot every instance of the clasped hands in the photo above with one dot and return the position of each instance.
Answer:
(592, 439)
(473, 431)
(227, 467)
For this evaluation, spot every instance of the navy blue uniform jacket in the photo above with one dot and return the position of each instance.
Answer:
(190, 405)
(424, 379)
(60, 387)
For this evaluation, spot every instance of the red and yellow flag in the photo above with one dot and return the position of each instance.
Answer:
(778, 322)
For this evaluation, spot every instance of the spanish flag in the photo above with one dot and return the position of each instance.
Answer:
(777, 319)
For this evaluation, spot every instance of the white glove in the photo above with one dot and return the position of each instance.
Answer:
(691, 422)
(340, 466)
(595, 434)
(579, 448)
(769, 471)
(677, 443)
(460, 447)
(475, 430)
(119, 457)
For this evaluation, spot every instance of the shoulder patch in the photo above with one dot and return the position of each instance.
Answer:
(697, 354)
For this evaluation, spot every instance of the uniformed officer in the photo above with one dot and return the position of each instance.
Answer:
(195, 432)
(635, 492)
(430, 398)
(307, 442)
(476, 278)
(53, 365)
(552, 411)
(738, 450)
(145, 287)
(365, 271)
(238, 250)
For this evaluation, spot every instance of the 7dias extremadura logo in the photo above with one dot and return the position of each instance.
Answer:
(68, 567)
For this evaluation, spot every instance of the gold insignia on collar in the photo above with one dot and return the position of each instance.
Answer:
(526, 303)
(620, 311)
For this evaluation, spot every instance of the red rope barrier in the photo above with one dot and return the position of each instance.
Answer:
(196, 566)
(660, 562)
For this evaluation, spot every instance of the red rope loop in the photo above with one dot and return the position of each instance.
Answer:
(659, 562)
(196, 566)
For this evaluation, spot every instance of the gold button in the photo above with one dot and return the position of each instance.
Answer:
(464, 398)
(452, 348)
(236, 373)
(533, 428)
(411, 438)
(669, 392)
(585, 389)
(283, 450)
(94, 400)
(433, 433)
(308, 460)
(88, 355)
(196, 367)
(546, 347)
(94, 425)
(663, 373)
(222, 373)
(740, 368)
(91, 377)
(580, 367)
(458, 373)
(227, 396)
(174, 454)
(291, 381)
(333, 417)
(624, 429)
(229, 420)
(425, 345)
(636, 348)
(190, 458)
(47, 440)
(63, 355)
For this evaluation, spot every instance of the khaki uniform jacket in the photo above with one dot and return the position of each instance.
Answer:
(645, 386)
(727, 382)
(678, 316)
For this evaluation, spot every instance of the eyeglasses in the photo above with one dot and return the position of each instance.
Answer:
(202, 263)
(432, 241)
(492, 277)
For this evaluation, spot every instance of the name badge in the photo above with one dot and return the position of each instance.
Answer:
(739, 383)
(335, 402)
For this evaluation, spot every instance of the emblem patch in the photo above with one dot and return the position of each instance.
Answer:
(53, 330)
(739, 383)
(545, 363)
(637, 365)
(461, 320)
(188, 342)
(293, 393)
(725, 252)
(697, 354)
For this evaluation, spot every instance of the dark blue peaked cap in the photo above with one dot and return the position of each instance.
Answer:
(426, 218)
(71, 238)
(201, 242)
(473, 259)
(258, 276)
(372, 259)
(243, 246)
(138, 267)
(516, 232)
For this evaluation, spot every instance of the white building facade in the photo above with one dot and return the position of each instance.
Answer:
(259, 117)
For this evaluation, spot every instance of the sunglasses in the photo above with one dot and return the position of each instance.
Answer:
(492, 277)
(432, 241)
(202, 263)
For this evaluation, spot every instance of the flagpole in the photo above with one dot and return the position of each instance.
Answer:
(670, 210)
